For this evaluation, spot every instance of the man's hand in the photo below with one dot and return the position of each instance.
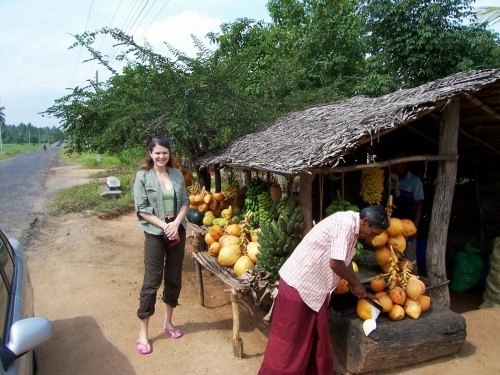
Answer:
(358, 290)
(347, 273)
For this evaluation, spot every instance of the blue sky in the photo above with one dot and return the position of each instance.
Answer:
(36, 66)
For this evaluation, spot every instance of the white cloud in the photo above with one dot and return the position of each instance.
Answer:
(177, 30)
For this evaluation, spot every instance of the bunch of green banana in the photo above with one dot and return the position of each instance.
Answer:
(232, 189)
(266, 211)
(278, 239)
(372, 185)
(280, 207)
(255, 188)
(336, 206)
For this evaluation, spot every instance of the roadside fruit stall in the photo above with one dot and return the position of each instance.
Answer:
(338, 156)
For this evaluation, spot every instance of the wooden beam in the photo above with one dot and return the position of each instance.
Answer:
(381, 164)
(480, 141)
(421, 134)
(485, 107)
(443, 200)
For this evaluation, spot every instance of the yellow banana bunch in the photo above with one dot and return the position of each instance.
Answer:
(372, 185)
(245, 231)
(232, 189)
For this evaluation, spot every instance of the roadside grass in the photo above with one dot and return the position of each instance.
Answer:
(86, 198)
(11, 149)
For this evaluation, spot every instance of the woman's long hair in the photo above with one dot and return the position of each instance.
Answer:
(148, 162)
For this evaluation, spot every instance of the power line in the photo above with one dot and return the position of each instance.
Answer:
(154, 19)
(144, 17)
(80, 50)
(126, 26)
(105, 35)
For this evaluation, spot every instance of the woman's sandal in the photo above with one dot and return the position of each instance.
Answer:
(142, 351)
(174, 333)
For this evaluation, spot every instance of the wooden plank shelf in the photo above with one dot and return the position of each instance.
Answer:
(205, 260)
(210, 264)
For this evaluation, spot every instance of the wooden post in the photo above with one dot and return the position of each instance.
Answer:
(305, 189)
(442, 203)
(199, 282)
(217, 177)
(198, 244)
(247, 177)
(237, 341)
(204, 178)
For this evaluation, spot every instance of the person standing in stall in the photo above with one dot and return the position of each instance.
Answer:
(408, 201)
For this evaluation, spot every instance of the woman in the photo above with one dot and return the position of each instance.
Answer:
(161, 203)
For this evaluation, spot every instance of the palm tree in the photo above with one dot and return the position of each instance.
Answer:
(2, 123)
(490, 15)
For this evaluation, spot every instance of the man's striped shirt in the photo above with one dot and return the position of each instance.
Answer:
(308, 268)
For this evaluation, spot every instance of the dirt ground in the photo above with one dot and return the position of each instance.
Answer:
(87, 273)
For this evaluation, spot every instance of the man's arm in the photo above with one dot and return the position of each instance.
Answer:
(347, 273)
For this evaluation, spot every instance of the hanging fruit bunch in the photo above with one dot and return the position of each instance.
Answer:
(232, 190)
(372, 185)
(255, 188)
(393, 238)
(280, 206)
(400, 292)
(278, 239)
(266, 211)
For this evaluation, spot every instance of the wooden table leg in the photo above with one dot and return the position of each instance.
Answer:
(237, 341)
(199, 280)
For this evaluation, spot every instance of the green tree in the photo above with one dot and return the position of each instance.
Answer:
(2, 124)
(310, 53)
(411, 42)
(191, 100)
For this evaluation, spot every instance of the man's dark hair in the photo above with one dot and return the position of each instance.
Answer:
(376, 215)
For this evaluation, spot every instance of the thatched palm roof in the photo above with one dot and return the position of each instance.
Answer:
(321, 136)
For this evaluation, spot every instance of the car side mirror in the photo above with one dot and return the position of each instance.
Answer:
(25, 335)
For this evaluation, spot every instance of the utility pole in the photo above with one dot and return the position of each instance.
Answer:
(98, 155)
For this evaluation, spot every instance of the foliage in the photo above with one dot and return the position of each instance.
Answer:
(489, 15)
(191, 100)
(313, 51)
(411, 42)
(2, 116)
(27, 133)
(85, 198)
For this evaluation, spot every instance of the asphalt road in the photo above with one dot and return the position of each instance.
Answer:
(23, 197)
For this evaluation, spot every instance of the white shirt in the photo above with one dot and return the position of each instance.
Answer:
(308, 268)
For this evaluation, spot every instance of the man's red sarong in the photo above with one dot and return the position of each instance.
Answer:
(299, 337)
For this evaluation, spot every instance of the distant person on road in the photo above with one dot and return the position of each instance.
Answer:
(44, 147)
(161, 204)
(299, 336)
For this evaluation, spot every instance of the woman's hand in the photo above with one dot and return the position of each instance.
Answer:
(171, 230)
